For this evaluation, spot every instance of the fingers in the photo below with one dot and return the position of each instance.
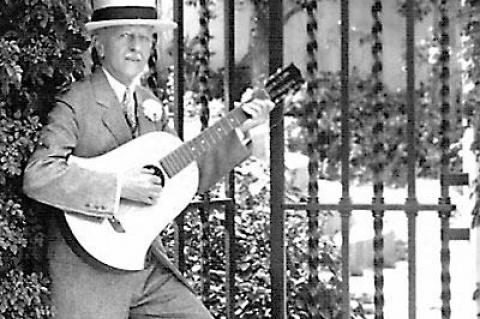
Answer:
(150, 194)
(258, 108)
(247, 95)
(141, 185)
(155, 175)
(154, 195)
(154, 189)
(147, 170)
(155, 180)
(259, 111)
(251, 108)
(150, 200)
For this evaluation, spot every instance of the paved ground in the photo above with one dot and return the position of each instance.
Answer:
(428, 273)
(463, 254)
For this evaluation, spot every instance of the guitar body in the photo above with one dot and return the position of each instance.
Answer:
(142, 223)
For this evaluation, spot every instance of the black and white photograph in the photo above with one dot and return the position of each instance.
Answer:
(239, 159)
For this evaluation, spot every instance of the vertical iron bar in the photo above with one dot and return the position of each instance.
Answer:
(204, 61)
(278, 268)
(179, 79)
(311, 118)
(229, 79)
(411, 211)
(204, 212)
(445, 146)
(179, 75)
(410, 45)
(345, 97)
(346, 213)
(379, 157)
(378, 262)
(204, 97)
(445, 261)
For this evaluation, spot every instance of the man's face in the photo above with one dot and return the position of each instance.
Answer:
(125, 50)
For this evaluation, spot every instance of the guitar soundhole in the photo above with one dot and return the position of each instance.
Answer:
(157, 172)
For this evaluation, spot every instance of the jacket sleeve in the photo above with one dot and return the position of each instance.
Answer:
(216, 164)
(50, 179)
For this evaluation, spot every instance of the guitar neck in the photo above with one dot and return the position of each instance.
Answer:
(203, 143)
(276, 86)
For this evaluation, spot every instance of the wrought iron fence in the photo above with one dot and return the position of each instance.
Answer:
(314, 206)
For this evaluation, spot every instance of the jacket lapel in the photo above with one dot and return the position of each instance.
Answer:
(112, 116)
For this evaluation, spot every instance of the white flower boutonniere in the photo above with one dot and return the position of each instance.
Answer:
(152, 109)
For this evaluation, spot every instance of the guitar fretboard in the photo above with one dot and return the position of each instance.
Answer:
(203, 143)
(276, 87)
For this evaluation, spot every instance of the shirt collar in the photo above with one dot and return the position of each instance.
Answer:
(118, 87)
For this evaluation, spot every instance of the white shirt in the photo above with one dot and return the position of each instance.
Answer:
(118, 87)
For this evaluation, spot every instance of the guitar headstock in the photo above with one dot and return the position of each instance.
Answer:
(283, 81)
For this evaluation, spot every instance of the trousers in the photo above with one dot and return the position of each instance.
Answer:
(82, 291)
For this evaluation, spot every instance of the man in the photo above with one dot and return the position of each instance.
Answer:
(94, 118)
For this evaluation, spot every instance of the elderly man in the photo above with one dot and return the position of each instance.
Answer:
(94, 117)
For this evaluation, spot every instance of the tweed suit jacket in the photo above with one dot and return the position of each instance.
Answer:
(88, 121)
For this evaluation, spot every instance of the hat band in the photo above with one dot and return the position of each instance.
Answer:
(115, 13)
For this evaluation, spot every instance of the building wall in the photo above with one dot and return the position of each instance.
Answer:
(328, 18)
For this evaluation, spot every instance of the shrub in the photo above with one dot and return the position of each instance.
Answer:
(252, 253)
(24, 296)
(40, 54)
(384, 141)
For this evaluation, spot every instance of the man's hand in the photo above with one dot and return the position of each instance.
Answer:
(258, 109)
(140, 185)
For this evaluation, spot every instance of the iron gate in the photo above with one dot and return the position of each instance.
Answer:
(411, 207)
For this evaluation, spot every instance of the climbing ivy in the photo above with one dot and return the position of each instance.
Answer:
(41, 43)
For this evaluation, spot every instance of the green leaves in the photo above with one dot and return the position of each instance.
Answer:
(41, 47)
(10, 71)
(23, 296)
(252, 252)
(12, 236)
(374, 142)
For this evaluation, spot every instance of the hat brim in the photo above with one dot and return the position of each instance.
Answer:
(157, 24)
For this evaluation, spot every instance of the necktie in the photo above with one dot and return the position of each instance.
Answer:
(128, 105)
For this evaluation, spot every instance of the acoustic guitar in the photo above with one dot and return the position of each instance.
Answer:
(123, 241)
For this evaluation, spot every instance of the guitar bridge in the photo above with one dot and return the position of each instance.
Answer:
(117, 226)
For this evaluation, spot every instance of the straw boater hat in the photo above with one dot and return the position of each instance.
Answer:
(107, 13)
